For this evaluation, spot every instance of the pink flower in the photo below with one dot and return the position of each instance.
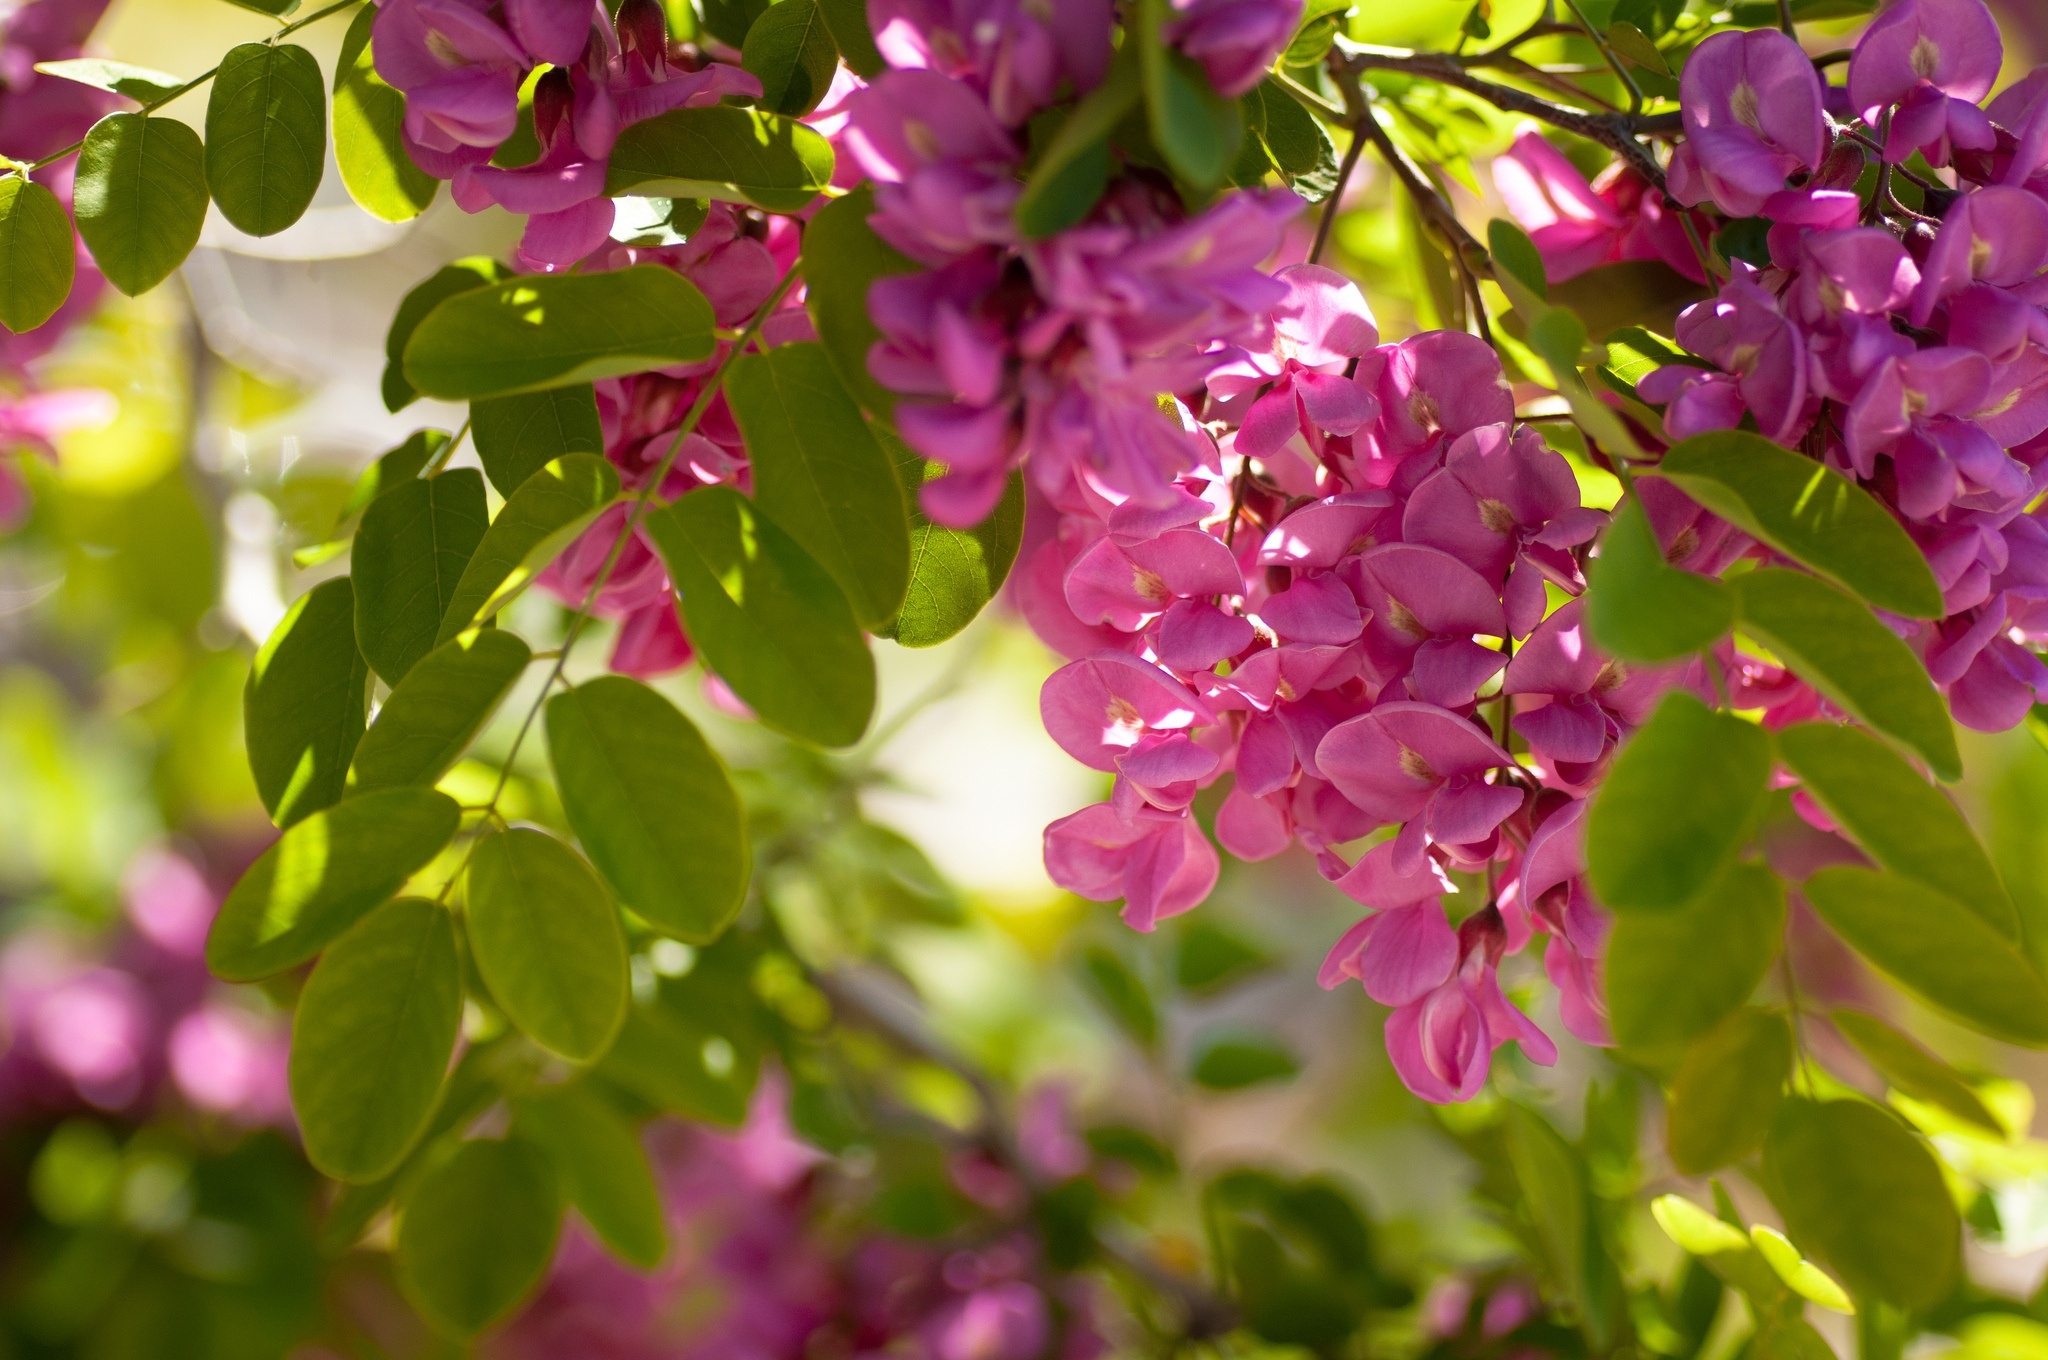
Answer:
(1576, 225)
(1406, 948)
(1553, 889)
(1594, 700)
(1158, 862)
(1424, 767)
(1115, 712)
(1933, 59)
(1318, 329)
(1442, 1043)
(1424, 607)
(1014, 53)
(1918, 409)
(458, 70)
(1751, 104)
(226, 1062)
(1128, 587)
(943, 165)
(1234, 40)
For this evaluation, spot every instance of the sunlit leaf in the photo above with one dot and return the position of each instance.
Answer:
(140, 197)
(547, 940)
(439, 707)
(266, 135)
(304, 704)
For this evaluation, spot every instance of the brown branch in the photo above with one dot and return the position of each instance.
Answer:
(1471, 256)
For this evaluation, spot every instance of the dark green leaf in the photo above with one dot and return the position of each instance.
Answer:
(322, 876)
(411, 550)
(1614, 298)
(276, 9)
(821, 475)
(1233, 1062)
(464, 276)
(1295, 140)
(1935, 948)
(371, 1039)
(1727, 1091)
(603, 1169)
(368, 118)
(842, 256)
(1631, 42)
(1122, 993)
(1904, 823)
(766, 617)
(790, 50)
(730, 21)
(1067, 179)
(1675, 805)
(1913, 1071)
(1553, 1183)
(551, 330)
(1809, 512)
(547, 941)
(1196, 129)
(140, 197)
(848, 22)
(138, 83)
(478, 1233)
(625, 760)
(1211, 958)
(518, 436)
(37, 262)
(1516, 257)
(1641, 608)
(676, 1063)
(1673, 975)
(1838, 646)
(1133, 1146)
(392, 470)
(739, 155)
(1865, 1197)
(437, 709)
(266, 135)
(544, 516)
(303, 706)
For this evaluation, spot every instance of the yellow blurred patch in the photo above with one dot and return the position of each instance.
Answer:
(131, 349)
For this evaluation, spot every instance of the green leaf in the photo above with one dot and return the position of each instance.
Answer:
(722, 152)
(138, 83)
(730, 21)
(842, 257)
(1694, 1229)
(1838, 646)
(545, 515)
(1866, 1197)
(1672, 975)
(1122, 993)
(322, 875)
(1800, 1275)
(1809, 512)
(1675, 805)
(1634, 353)
(1068, 178)
(266, 135)
(1727, 1091)
(37, 262)
(550, 330)
(1233, 1061)
(1913, 1071)
(1639, 607)
(372, 1036)
(1901, 821)
(1295, 140)
(435, 712)
(393, 470)
(1631, 42)
(603, 1169)
(478, 1233)
(766, 617)
(547, 941)
(1624, 297)
(1518, 267)
(1134, 1147)
(848, 22)
(303, 704)
(276, 9)
(140, 197)
(954, 573)
(413, 545)
(1196, 129)
(821, 475)
(518, 436)
(1211, 958)
(1935, 948)
(625, 759)
(790, 50)
(368, 118)
(464, 276)
(676, 1063)
(1553, 1184)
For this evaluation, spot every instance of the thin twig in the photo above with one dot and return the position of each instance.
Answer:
(1431, 204)
(1785, 16)
(1613, 59)
(1336, 198)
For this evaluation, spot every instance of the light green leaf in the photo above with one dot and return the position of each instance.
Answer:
(1912, 1071)
(1634, 353)
(1866, 1197)
(1641, 608)
(322, 875)
(1673, 975)
(1694, 1229)
(1196, 129)
(1935, 948)
(790, 50)
(545, 515)
(954, 573)
(603, 1169)
(547, 941)
(1811, 513)
(1727, 1091)
(821, 475)
(1838, 646)
(1801, 1276)
(1631, 42)
(1675, 805)
(464, 276)
(437, 709)
(37, 263)
(478, 1233)
(140, 197)
(625, 758)
(1518, 267)
(393, 470)
(550, 330)
(266, 135)
(1553, 1182)
(1211, 958)
(738, 155)
(368, 118)
(1067, 179)
(1295, 140)
(842, 257)
(275, 9)
(412, 548)
(681, 1064)
(371, 1039)
(1904, 823)
(766, 617)
(1122, 994)
(848, 22)
(303, 704)
(138, 83)
(1235, 1060)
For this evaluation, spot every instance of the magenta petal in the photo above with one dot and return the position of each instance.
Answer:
(554, 31)
(1342, 960)
(1572, 732)
(1504, 1023)
(1448, 672)
(1265, 756)
(1467, 815)
(1194, 635)
(1251, 828)
(1411, 954)
(559, 239)
(1174, 869)
(1448, 744)
(1557, 852)
(1579, 1002)
(1335, 403)
(1161, 758)
(1559, 657)
(1316, 609)
(1322, 533)
(1374, 881)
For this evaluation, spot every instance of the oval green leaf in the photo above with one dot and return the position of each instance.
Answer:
(1671, 976)
(1866, 1197)
(766, 617)
(1641, 608)
(413, 546)
(518, 436)
(139, 83)
(37, 263)
(842, 257)
(549, 330)
(1233, 1062)
(437, 709)
(544, 516)
(393, 470)
(1809, 512)
(266, 135)
(548, 943)
(1838, 646)
(368, 118)
(140, 197)
(624, 758)
(1727, 1091)
(464, 276)
(304, 703)
(1913, 1071)
(682, 1064)
(848, 22)
(1196, 129)
(790, 50)
(478, 1233)
(820, 473)
(954, 573)
(372, 1036)
(603, 1168)
(1675, 805)
(738, 155)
